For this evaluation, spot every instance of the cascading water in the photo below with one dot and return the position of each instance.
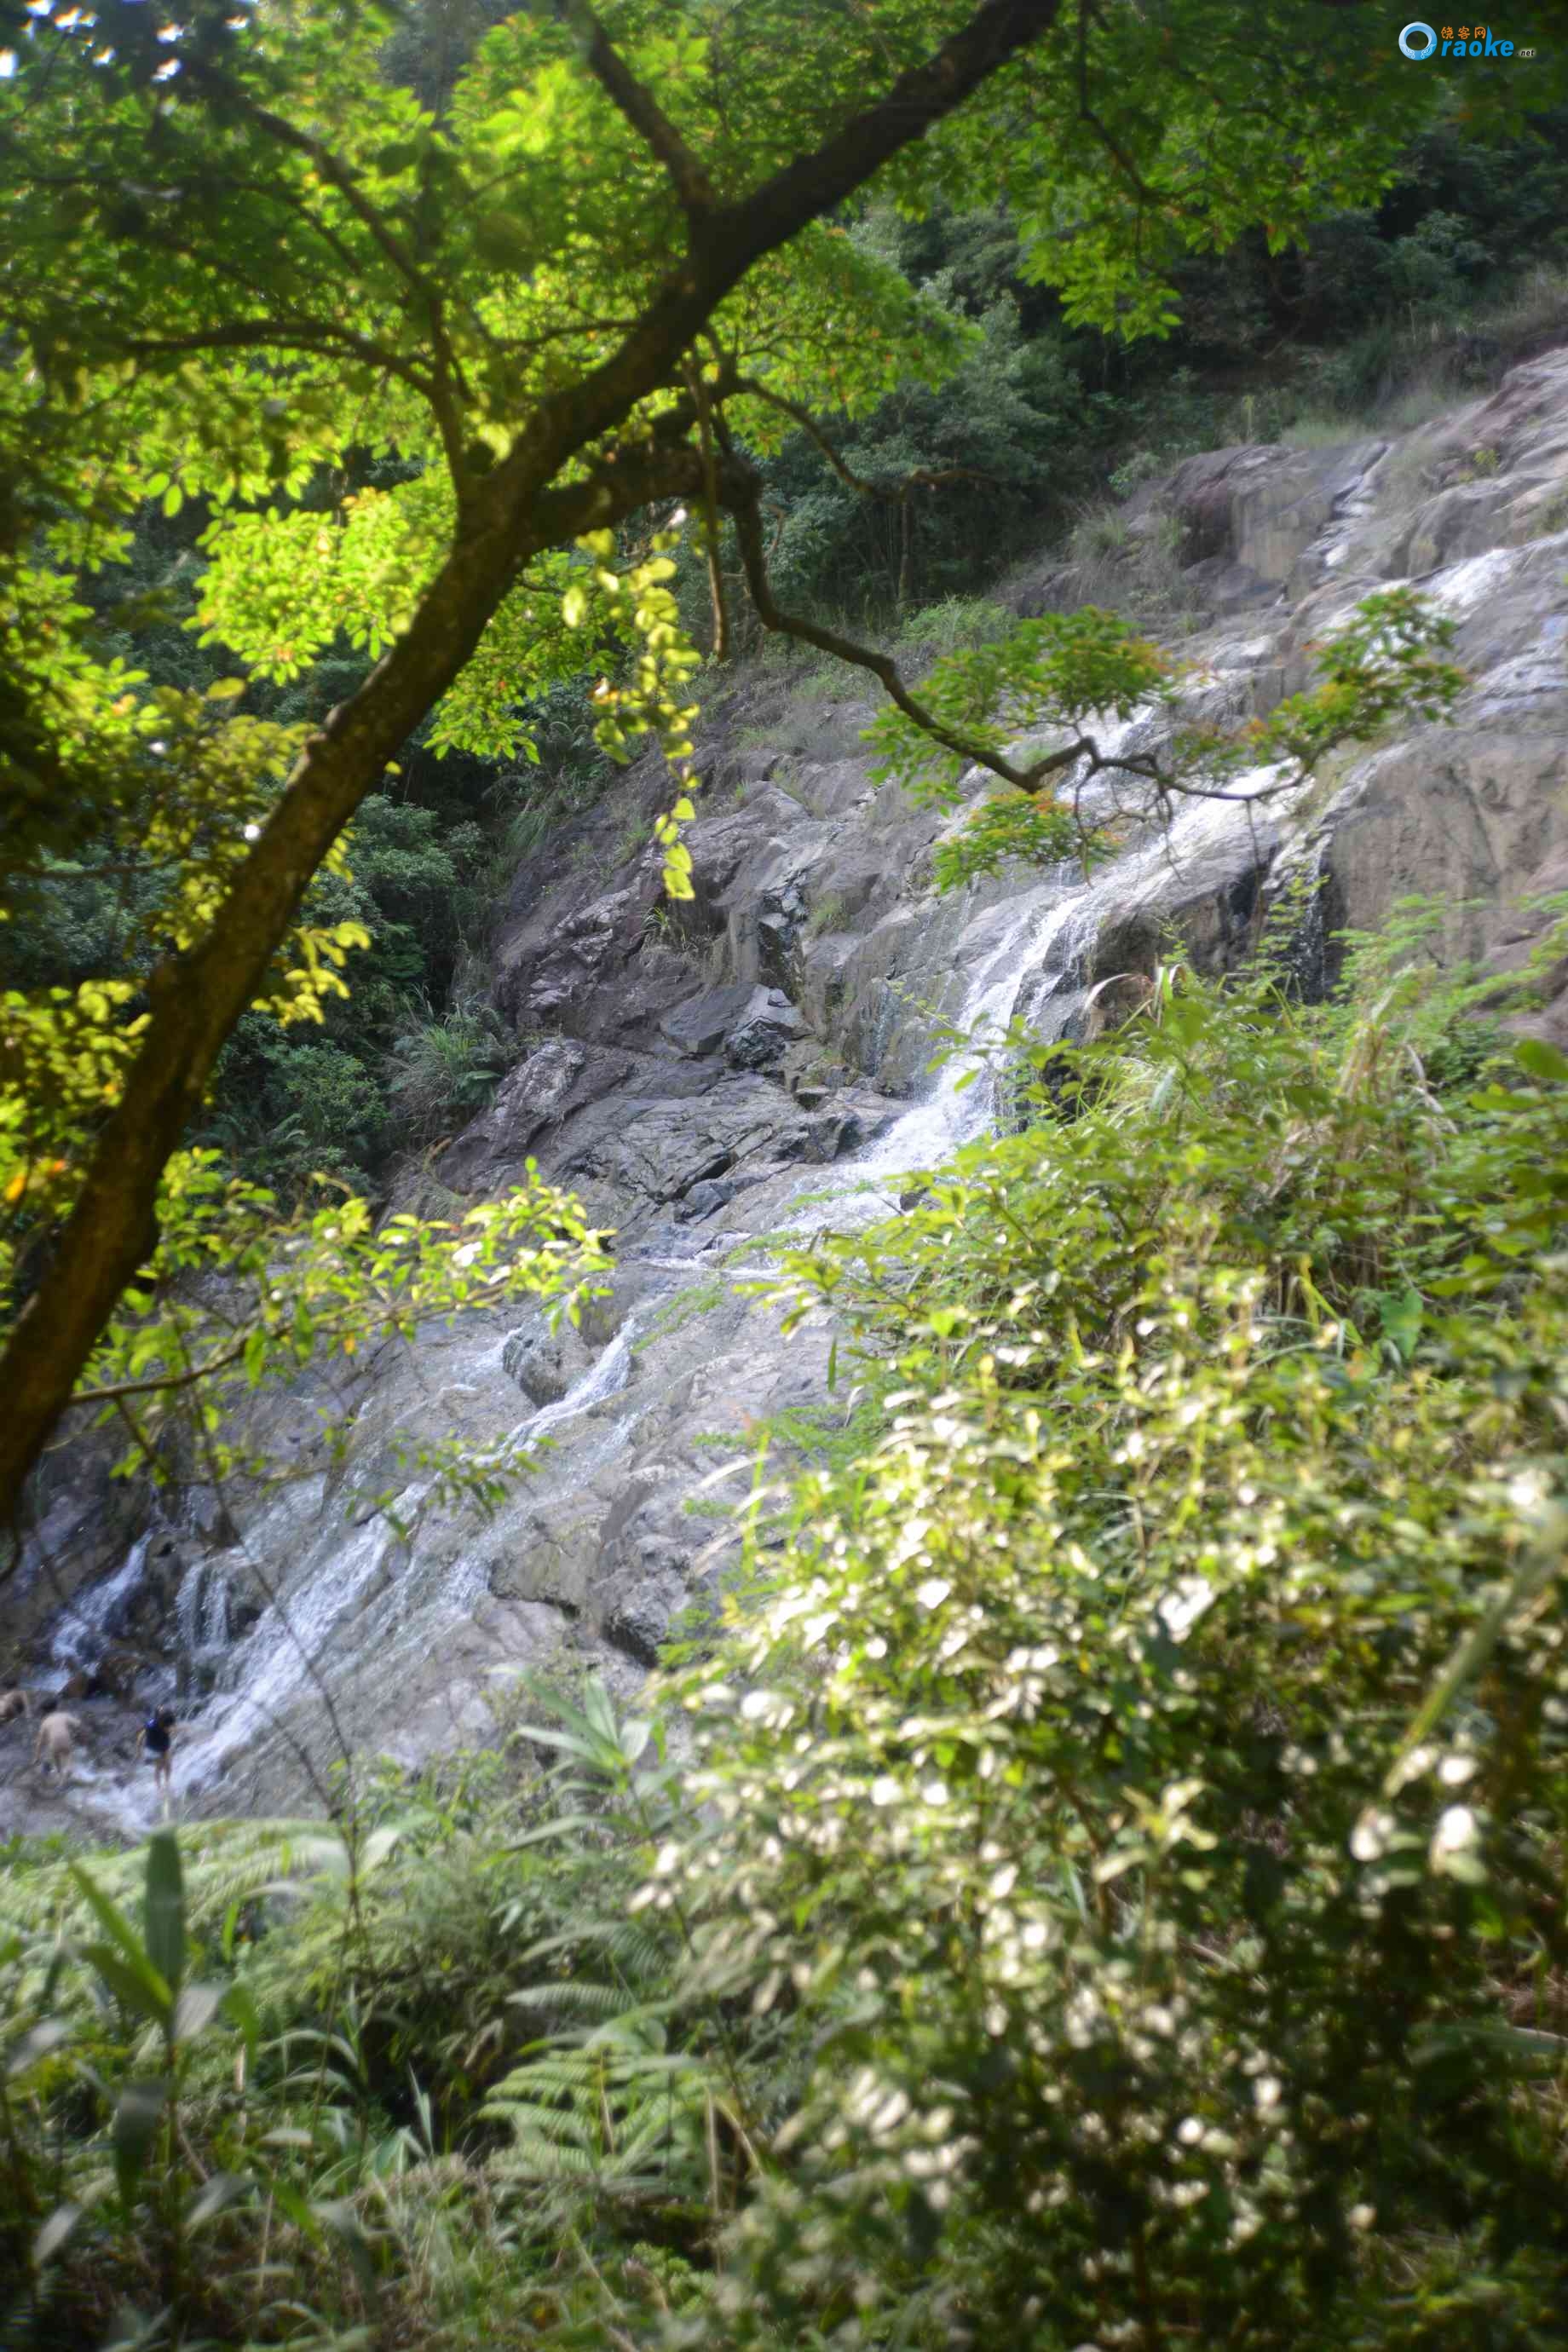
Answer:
(403, 1624)
(320, 1626)
(286, 1647)
(202, 1618)
(95, 1617)
(606, 1378)
(1035, 967)
(362, 1603)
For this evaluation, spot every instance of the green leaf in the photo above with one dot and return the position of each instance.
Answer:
(37, 2042)
(239, 2006)
(110, 1917)
(340, 2217)
(196, 2007)
(128, 1985)
(1540, 1059)
(293, 2205)
(1401, 1319)
(153, 1994)
(636, 1733)
(508, 244)
(217, 2194)
(380, 1846)
(165, 1909)
(137, 2113)
(54, 2234)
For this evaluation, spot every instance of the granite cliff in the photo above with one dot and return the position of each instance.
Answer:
(756, 1063)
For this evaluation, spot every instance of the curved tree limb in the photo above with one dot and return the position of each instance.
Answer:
(641, 110)
(745, 503)
(747, 516)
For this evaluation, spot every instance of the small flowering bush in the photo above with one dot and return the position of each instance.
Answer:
(1143, 1782)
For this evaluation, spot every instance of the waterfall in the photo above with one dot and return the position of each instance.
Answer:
(323, 1614)
(271, 1663)
(374, 1614)
(93, 1617)
(605, 1377)
(202, 1615)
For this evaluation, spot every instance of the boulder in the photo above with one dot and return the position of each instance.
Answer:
(544, 1363)
(639, 1618)
(557, 1076)
(1253, 510)
(704, 1025)
(767, 1026)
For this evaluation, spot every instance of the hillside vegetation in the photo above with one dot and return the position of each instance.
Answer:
(1105, 1886)
(1096, 1883)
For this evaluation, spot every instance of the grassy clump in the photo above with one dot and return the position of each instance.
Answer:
(447, 1065)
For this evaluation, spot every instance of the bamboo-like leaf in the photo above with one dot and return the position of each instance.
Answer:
(55, 2232)
(217, 2194)
(240, 2006)
(338, 2215)
(156, 1995)
(36, 2043)
(165, 1909)
(130, 1986)
(196, 2007)
(137, 2115)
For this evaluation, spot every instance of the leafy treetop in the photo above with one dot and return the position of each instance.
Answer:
(242, 269)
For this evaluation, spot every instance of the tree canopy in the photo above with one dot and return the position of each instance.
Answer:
(445, 386)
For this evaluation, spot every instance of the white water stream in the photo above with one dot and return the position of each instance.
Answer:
(354, 1601)
(96, 1615)
(362, 1608)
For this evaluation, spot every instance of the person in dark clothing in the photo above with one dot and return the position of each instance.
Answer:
(156, 1739)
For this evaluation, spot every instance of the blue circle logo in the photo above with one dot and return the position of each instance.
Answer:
(1417, 42)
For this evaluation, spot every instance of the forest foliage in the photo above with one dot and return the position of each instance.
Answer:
(1102, 1884)
(445, 386)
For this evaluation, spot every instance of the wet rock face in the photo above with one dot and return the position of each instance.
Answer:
(1250, 514)
(767, 1028)
(755, 1064)
(752, 1027)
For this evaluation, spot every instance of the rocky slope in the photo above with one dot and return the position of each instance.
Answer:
(755, 1063)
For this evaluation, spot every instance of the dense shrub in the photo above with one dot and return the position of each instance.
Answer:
(1112, 1891)
(1148, 1783)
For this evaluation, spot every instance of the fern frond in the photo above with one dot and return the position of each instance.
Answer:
(572, 1992)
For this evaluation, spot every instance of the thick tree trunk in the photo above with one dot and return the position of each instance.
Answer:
(198, 998)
